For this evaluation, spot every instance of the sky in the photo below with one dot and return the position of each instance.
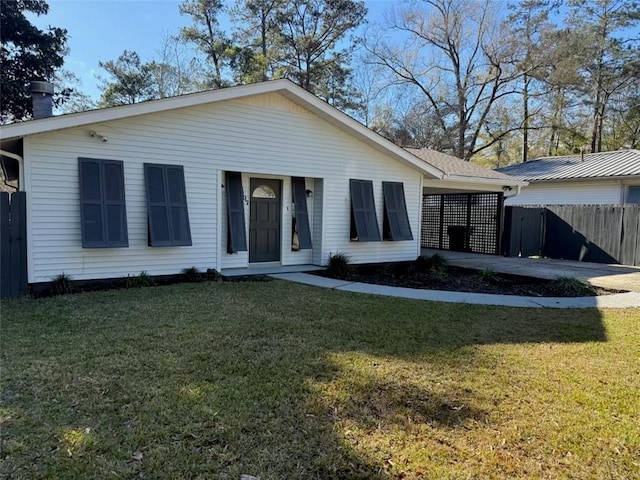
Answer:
(100, 30)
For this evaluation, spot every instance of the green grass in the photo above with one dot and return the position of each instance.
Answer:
(278, 380)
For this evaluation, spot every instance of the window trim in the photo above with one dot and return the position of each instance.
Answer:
(634, 188)
(103, 203)
(301, 220)
(369, 229)
(395, 189)
(168, 204)
(233, 182)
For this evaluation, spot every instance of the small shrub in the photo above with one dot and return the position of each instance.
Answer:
(213, 275)
(192, 274)
(572, 287)
(142, 280)
(339, 265)
(437, 263)
(61, 284)
(422, 264)
(434, 264)
(488, 275)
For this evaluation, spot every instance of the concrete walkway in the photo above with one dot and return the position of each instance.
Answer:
(620, 300)
(617, 277)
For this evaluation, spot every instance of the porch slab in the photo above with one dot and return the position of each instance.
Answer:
(618, 277)
(267, 270)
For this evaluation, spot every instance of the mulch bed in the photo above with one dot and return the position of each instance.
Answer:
(459, 280)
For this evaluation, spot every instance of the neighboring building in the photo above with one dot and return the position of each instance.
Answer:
(262, 174)
(611, 178)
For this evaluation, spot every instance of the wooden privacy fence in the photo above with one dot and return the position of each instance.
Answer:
(588, 233)
(13, 244)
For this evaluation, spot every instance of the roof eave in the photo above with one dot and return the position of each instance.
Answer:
(285, 87)
(63, 122)
(487, 181)
(584, 179)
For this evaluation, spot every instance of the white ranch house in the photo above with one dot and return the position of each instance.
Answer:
(216, 180)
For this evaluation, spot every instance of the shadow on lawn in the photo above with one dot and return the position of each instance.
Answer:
(235, 384)
(333, 359)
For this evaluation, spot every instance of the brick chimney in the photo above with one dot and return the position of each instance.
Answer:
(42, 96)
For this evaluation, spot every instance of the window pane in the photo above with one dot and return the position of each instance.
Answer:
(155, 184)
(92, 227)
(264, 191)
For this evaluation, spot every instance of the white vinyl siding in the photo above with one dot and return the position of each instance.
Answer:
(268, 136)
(591, 193)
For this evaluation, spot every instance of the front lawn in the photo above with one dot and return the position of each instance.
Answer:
(280, 380)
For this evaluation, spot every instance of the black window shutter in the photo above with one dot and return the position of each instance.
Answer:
(364, 221)
(114, 204)
(236, 231)
(167, 213)
(103, 215)
(302, 214)
(177, 200)
(396, 224)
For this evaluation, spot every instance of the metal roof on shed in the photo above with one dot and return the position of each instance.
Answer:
(620, 163)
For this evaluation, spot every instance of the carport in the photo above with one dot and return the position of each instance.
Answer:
(463, 211)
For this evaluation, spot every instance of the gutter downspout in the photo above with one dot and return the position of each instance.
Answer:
(20, 160)
(517, 192)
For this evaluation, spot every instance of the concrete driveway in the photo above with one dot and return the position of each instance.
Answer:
(620, 277)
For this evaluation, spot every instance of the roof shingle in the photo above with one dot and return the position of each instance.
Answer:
(451, 165)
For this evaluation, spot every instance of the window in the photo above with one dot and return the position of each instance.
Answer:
(167, 213)
(364, 222)
(395, 225)
(263, 191)
(633, 194)
(103, 213)
(236, 229)
(301, 231)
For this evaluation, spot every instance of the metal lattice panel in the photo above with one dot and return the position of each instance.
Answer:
(466, 222)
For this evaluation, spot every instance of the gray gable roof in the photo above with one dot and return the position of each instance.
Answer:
(451, 165)
(620, 163)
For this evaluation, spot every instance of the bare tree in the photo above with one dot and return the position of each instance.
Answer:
(177, 70)
(454, 57)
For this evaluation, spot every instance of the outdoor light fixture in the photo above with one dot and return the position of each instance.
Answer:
(95, 134)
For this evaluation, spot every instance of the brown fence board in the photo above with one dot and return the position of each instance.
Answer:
(5, 246)
(13, 244)
(630, 238)
(589, 233)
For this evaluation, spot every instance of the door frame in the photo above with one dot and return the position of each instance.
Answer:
(280, 180)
